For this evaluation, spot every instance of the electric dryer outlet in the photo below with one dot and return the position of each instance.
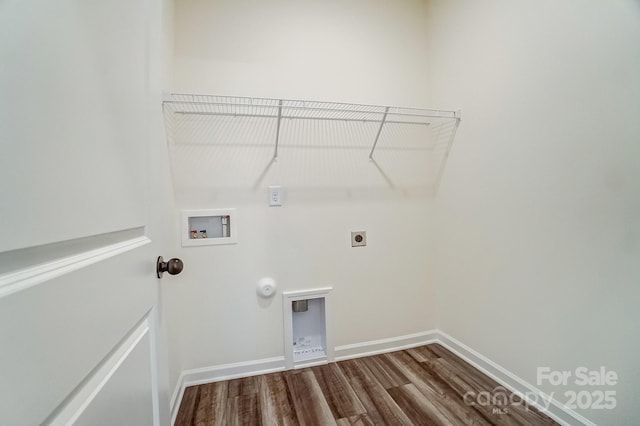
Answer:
(358, 238)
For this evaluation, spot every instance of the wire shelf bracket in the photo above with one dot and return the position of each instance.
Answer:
(384, 118)
(275, 152)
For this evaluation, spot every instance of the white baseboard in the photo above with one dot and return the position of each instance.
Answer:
(358, 350)
(555, 410)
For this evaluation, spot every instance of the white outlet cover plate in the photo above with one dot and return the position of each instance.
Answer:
(275, 196)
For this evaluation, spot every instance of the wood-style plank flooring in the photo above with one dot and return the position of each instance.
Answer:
(420, 386)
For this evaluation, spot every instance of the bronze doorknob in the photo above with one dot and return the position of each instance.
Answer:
(172, 266)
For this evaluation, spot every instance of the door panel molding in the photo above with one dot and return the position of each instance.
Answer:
(30, 276)
(86, 392)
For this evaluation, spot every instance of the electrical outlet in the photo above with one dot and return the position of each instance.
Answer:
(358, 238)
(275, 196)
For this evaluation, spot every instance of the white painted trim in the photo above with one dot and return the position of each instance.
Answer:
(200, 376)
(519, 386)
(176, 398)
(358, 350)
(556, 410)
(72, 409)
(298, 294)
(155, 382)
(310, 363)
(29, 277)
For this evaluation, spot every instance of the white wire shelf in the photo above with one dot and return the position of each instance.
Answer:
(396, 139)
(279, 109)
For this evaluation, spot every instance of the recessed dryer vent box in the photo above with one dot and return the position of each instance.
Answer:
(208, 227)
(307, 338)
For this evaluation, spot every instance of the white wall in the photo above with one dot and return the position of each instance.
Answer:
(538, 249)
(365, 51)
(358, 51)
(534, 243)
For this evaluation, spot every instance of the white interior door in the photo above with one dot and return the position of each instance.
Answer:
(80, 219)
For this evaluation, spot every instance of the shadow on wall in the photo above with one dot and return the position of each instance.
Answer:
(242, 143)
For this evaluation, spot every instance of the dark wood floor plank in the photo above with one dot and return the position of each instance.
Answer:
(422, 353)
(190, 400)
(418, 408)
(380, 407)
(473, 374)
(449, 406)
(468, 395)
(464, 375)
(466, 381)
(336, 389)
(310, 405)
(243, 386)
(385, 372)
(359, 420)
(212, 404)
(423, 386)
(275, 401)
(243, 410)
(440, 350)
